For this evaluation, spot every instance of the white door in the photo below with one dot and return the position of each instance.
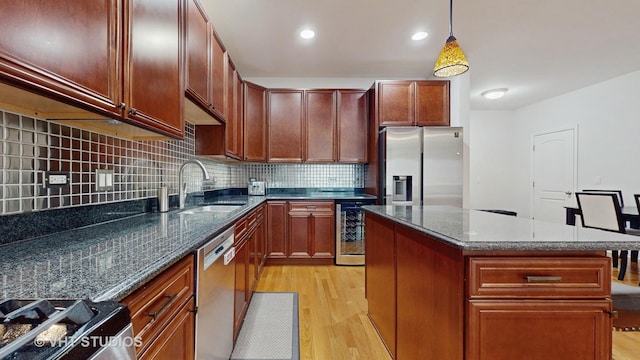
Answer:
(554, 174)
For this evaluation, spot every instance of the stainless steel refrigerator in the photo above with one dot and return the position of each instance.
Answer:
(421, 165)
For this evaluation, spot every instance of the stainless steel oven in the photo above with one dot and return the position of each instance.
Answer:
(350, 236)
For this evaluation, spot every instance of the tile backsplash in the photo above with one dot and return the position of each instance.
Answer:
(30, 147)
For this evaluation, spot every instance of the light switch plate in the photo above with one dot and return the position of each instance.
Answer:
(104, 179)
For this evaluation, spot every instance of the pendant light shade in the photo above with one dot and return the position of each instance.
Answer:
(451, 61)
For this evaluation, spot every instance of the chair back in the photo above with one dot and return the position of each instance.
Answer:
(637, 198)
(600, 210)
(618, 192)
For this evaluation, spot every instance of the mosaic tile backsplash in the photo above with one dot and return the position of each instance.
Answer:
(30, 147)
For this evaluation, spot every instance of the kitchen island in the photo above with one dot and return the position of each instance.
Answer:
(451, 283)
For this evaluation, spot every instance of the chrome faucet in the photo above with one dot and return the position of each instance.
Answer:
(182, 185)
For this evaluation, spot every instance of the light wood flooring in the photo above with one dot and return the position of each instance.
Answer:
(333, 312)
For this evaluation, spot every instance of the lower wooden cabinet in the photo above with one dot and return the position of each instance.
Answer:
(176, 340)
(301, 232)
(431, 300)
(249, 232)
(162, 313)
(556, 329)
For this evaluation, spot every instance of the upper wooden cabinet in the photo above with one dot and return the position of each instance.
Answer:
(285, 112)
(320, 126)
(153, 81)
(233, 128)
(46, 51)
(413, 103)
(352, 125)
(255, 123)
(218, 84)
(198, 54)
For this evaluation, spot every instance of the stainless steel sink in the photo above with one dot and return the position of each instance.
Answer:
(216, 209)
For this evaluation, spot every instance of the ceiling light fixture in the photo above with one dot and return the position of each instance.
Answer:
(494, 93)
(420, 35)
(307, 34)
(451, 61)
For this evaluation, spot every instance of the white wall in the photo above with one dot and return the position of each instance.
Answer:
(607, 116)
(491, 160)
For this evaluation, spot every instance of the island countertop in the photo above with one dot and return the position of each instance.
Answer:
(480, 230)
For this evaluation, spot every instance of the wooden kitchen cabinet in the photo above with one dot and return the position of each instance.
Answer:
(104, 71)
(234, 121)
(198, 86)
(241, 287)
(336, 126)
(301, 232)
(285, 113)
(261, 239)
(413, 103)
(277, 230)
(162, 311)
(431, 300)
(380, 278)
(218, 60)
(352, 126)
(255, 123)
(320, 126)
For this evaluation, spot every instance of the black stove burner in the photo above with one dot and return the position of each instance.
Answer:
(53, 329)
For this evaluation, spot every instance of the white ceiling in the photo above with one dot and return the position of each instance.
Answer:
(536, 48)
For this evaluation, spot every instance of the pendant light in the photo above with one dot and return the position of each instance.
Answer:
(451, 61)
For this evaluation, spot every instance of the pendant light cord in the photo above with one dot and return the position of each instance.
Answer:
(450, 17)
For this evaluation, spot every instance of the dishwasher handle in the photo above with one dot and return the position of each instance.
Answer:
(215, 253)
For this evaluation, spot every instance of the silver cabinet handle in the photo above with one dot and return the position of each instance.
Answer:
(543, 279)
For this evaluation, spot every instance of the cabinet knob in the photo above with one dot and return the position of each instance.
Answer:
(133, 111)
(122, 106)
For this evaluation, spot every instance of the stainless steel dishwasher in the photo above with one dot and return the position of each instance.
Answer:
(215, 282)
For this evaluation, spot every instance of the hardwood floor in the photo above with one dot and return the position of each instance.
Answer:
(626, 345)
(333, 312)
(332, 309)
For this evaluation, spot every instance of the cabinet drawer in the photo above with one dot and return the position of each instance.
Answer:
(156, 303)
(311, 206)
(551, 277)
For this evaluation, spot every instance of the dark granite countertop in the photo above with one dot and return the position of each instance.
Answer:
(110, 260)
(480, 230)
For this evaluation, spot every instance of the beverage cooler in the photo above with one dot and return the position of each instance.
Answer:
(350, 236)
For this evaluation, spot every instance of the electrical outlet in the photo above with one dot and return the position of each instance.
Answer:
(56, 179)
(104, 180)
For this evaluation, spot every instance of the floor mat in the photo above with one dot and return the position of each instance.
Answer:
(270, 328)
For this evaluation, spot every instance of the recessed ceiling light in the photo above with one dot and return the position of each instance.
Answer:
(494, 93)
(420, 35)
(307, 34)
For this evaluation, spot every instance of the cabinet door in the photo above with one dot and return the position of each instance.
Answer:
(252, 260)
(320, 126)
(47, 47)
(432, 103)
(261, 240)
(380, 278)
(555, 329)
(218, 85)
(255, 124)
(299, 235)
(154, 86)
(396, 103)
(430, 290)
(233, 128)
(352, 125)
(324, 235)
(241, 288)
(284, 119)
(177, 340)
(277, 229)
(198, 49)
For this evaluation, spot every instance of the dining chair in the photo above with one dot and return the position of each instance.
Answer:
(617, 192)
(601, 210)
